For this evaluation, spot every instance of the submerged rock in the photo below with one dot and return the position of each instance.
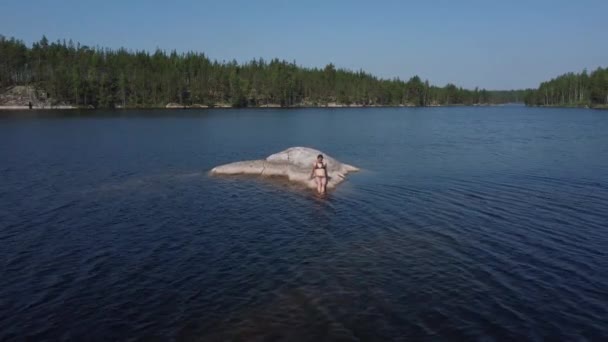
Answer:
(294, 163)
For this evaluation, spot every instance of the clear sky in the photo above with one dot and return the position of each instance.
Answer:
(490, 44)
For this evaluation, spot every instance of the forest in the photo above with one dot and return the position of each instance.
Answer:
(572, 90)
(74, 74)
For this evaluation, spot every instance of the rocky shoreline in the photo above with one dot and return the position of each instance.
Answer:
(27, 97)
(223, 106)
(597, 106)
(37, 107)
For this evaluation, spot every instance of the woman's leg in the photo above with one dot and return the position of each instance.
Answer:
(323, 184)
(318, 181)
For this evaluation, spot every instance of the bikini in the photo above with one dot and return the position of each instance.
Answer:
(322, 167)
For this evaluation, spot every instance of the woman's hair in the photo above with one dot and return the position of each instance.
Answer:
(320, 156)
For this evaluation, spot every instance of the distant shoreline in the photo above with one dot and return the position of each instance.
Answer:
(67, 107)
(571, 106)
(37, 108)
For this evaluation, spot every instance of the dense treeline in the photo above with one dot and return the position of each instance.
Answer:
(572, 89)
(84, 76)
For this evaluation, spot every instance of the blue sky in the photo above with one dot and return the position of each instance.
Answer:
(490, 44)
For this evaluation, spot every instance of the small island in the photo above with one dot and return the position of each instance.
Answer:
(292, 164)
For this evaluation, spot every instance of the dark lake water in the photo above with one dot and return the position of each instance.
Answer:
(465, 223)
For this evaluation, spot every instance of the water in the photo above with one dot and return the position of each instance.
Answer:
(465, 223)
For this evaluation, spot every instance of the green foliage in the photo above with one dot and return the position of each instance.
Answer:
(572, 90)
(103, 78)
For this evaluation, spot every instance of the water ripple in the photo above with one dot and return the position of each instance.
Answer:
(463, 226)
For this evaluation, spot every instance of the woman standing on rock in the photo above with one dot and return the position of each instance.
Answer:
(319, 170)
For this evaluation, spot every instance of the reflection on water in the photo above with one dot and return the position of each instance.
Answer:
(464, 223)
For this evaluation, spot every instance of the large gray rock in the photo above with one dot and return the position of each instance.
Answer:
(294, 163)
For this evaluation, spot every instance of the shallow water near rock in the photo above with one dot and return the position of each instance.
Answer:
(464, 223)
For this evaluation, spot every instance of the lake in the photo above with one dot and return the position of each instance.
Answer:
(464, 223)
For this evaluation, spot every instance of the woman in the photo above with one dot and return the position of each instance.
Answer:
(319, 171)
